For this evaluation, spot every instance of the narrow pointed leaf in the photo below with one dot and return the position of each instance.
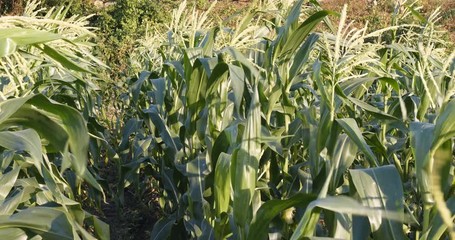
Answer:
(421, 140)
(373, 110)
(352, 130)
(300, 34)
(7, 182)
(162, 228)
(13, 233)
(270, 209)
(246, 164)
(52, 224)
(343, 157)
(378, 189)
(26, 140)
(340, 204)
(222, 183)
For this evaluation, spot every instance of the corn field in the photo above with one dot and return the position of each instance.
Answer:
(285, 123)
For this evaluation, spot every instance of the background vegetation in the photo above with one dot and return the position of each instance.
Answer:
(269, 119)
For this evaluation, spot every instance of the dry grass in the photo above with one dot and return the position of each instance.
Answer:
(11, 7)
(379, 15)
(447, 14)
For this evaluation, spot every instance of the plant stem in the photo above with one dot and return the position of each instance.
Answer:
(426, 216)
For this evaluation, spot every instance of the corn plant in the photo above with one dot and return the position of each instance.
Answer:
(44, 144)
(53, 67)
(300, 134)
(35, 177)
(266, 128)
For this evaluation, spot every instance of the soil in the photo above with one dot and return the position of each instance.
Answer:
(135, 218)
(132, 221)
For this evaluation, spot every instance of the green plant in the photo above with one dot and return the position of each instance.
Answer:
(66, 58)
(121, 24)
(256, 127)
(299, 134)
(47, 74)
(35, 162)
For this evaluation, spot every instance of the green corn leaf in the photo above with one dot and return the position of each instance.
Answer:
(301, 56)
(9, 107)
(324, 128)
(135, 88)
(52, 224)
(237, 76)
(78, 138)
(245, 164)
(293, 15)
(445, 124)
(162, 229)
(41, 122)
(325, 95)
(223, 142)
(24, 36)
(11, 38)
(222, 184)
(207, 230)
(26, 140)
(373, 110)
(352, 130)
(415, 13)
(197, 84)
(62, 59)
(7, 47)
(163, 130)
(13, 233)
(442, 156)
(7, 181)
(291, 19)
(209, 41)
(169, 184)
(431, 145)
(392, 82)
(101, 228)
(421, 139)
(131, 126)
(343, 157)
(208, 64)
(343, 225)
(437, 226)
(196, 170)
(270, 209)
(350, 86)
(219, 74)
(68, 118)
(159, 87)
(178, 66)
(380, 188)
(441, 186)
(339, 204)
(299, 35)
(272, 141)
(238, 56)
(10, 204)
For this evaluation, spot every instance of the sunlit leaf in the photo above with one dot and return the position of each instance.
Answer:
(378, 189)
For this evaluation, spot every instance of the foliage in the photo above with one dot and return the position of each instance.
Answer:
(326, 118)
(26, 65)
(121, 24)
(47, 83)
(263, 126)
